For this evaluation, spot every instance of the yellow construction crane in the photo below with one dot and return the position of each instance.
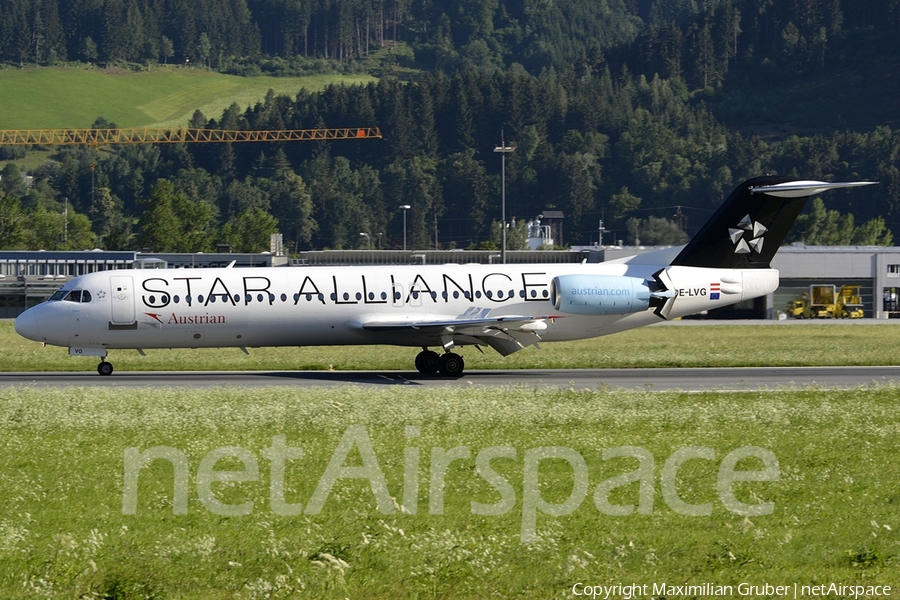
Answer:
(97, 137)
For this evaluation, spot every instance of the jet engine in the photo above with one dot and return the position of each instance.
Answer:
(605, 294)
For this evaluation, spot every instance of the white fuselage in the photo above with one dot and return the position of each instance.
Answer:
(311, 306)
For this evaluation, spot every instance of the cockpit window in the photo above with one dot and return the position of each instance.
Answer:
(75, 296)
(71, 296)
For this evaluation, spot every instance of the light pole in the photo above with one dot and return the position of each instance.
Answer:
(503, 149)
(368, 240)
(404, 208)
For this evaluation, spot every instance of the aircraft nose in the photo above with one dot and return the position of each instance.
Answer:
(26, 325)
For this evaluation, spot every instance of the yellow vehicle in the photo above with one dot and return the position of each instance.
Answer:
(850, 302)
(827, 302)
(798, 308)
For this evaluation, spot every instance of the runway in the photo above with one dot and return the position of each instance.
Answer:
(686, 379)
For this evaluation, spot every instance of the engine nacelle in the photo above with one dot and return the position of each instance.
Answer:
(599, 294)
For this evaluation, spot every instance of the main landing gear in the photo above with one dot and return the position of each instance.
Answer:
(105, 368)
(450, 364)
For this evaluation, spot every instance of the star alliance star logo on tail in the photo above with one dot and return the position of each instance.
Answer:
(747, 236)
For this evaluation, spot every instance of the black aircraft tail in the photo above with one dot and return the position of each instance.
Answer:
(750, 226)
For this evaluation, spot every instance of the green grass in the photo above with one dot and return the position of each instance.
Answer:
(63, 533)
(668, 346)
(162, 97)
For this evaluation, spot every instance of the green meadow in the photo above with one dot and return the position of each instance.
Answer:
(399, 492)
(74, 96)
(741, 345)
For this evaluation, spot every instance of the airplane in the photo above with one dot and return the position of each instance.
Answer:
(506, 307)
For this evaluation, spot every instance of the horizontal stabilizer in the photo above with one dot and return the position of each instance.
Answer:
(802, 189)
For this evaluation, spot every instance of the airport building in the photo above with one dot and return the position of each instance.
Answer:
(30, 277)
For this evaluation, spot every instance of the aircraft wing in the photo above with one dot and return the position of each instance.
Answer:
(505, 334)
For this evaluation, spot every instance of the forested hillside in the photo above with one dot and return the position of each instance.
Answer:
(229, 34)
(700, 41)
(643, 114)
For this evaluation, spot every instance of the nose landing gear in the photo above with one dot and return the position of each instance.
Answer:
(105, 368)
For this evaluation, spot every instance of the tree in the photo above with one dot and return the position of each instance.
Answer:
(166, 49)
(11, 222)
(414, 182)
(172, 223)
(873, 233)
(114, 32)
(198, 186)
(292, 206)
(159, 226)
(577, 183)
(467, 195)
(516, 237)
(106, 212)
(88, 50)
(826, 227)
(655, 231)
(251, 231)
(337, 197)
(11, 181)
(623, 203)
(204, 48)
(823, 227)
(241, 196)
(61, 231)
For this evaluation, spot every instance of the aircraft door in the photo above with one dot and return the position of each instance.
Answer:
(122, 294)
(414, 294)
(397, 295)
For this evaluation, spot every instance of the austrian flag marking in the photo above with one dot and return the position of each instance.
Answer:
(714, 290)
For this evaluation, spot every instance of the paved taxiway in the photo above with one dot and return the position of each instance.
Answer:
(688, 379)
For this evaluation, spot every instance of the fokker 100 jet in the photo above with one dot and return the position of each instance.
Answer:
(506, 307)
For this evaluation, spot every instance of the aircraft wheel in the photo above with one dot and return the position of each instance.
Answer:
(427, 362)
(105, 368)
(451, 365)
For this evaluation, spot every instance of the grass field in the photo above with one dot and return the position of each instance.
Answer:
(400, 492)
(163, 97)
(66, 530)
(805, 344)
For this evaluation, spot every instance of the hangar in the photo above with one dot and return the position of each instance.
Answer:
(876, 269)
